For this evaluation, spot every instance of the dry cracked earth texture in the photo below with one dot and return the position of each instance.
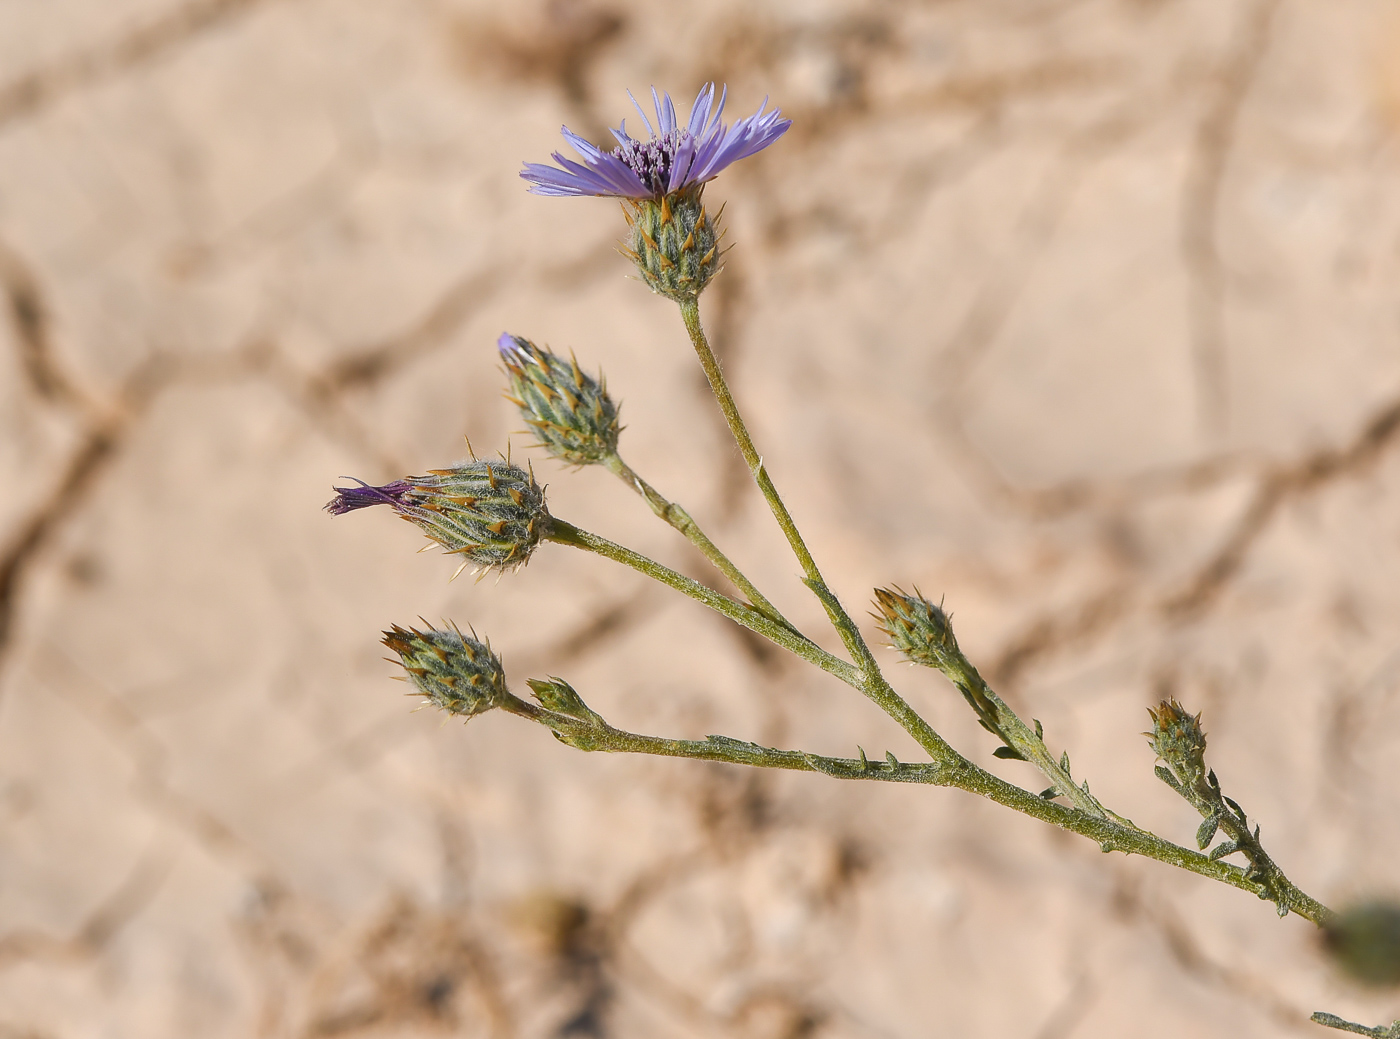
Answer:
(1080, 314)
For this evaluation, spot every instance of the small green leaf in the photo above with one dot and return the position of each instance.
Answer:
(1221, 850)
(1064, 762)
(1008, 754)
(1165, 775)
(1050, 793)
(1206, 833)
(1039, 729)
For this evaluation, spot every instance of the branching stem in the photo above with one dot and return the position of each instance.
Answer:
(594, 734)
(750, 617)
(681, 520)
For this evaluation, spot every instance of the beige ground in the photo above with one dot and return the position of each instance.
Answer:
(1082, 314)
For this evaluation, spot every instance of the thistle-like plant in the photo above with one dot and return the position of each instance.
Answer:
(494, 515)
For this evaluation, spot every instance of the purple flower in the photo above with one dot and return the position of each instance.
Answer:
(674, 158)
(491, 513)
(348, 499)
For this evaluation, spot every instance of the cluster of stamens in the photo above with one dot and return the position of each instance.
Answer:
(651, 160)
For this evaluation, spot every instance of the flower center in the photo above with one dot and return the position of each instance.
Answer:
(651, 160)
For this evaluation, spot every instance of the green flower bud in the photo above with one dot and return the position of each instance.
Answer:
(1177, 739)
(571, 413)
(456, 673)
(557, 695)
(674, 242)
(492, 513)
(919, 629)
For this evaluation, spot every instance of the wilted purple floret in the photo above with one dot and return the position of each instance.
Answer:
(674, 158)
(348, 499)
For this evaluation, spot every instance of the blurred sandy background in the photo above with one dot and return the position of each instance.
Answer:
(1082, 313)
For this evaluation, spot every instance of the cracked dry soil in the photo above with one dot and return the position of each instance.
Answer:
(1079, 313)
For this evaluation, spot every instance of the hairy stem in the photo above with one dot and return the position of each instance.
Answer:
(1201, 789)
(597, 735)
(1341, 1024)
(681, 520)
(741, 613)
(851, 637)
(591, 733)
(1025, 741)
(867, 680)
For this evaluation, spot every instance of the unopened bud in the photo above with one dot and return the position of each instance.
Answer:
(557, 695)
(570, 412)
(1177, 739)
(455, 672)
(491, 513)
(674, 242)
(919, 629)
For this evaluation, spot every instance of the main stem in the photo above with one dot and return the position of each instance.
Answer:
(1088, 817)
(877, 688)
(873, 683)
(690, 312)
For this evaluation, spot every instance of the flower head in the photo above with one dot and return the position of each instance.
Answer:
(570, 412)
(917, 627)
(1176, 737)
(491, 513)
(673, 158)
(456, 673)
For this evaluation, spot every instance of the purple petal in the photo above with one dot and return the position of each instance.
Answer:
(590, 152)
(645, 121)
(512, 350)
(682, 165)
(348, 499)
(688, 155)
(746, 137)
(700, 111)
(665, 112)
